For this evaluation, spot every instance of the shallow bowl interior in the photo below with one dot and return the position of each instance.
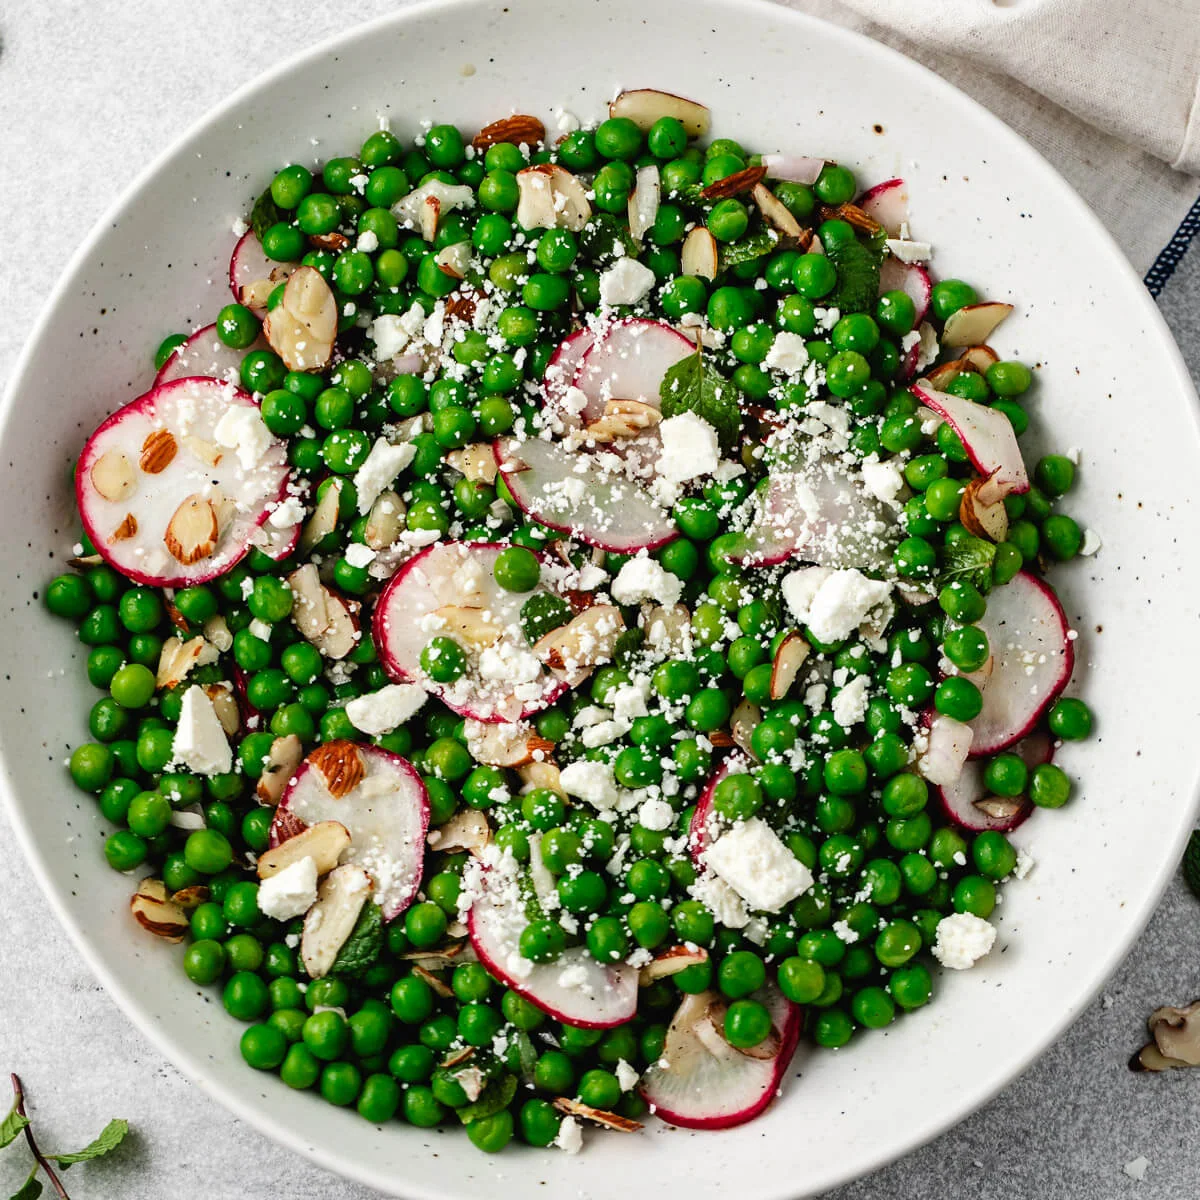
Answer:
(1110, 383)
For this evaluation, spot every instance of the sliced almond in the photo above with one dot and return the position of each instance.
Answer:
(332, 918)
(385, 521)
(623, 419)
(587, 640)
(126, 529)
(541, 775)
(329, 241)
(283, 761)
(944, 374)
(457, 1057)
(974, 323)
(177, 619)
(670, 962)
(157, 912)
(982, 519)
(158, 450)
(551, 197)
(1176, 1032)
(323, 842)
(341, 635)
(256, 293)
(476, 461)
(190, 898)
(177, 657)
(310, 614)
(467, 830)
(789, 658)
(217, 631)
(340, 765)
(439, 957)
(192, 531)
(644, 202)
(324, 519)
(454, 260)
(774, 211)
(302, 327)
(854, 216)
(81, 562)
(733, 185)
(979, 357)
(768, 1048)
(225, 705)
(520, 130)
(998, 807)
(745, 719)
(113, 476)
(1151, 1058)
(439, 986)
(698, 256)
(209, 454)
(428, 216)
(610, 1120)
(668, 630)
(505, 745)
(473, 628)
(644, 106)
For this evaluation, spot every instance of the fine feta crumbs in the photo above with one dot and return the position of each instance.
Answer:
(758, 866)
(850, 704)
(962, 940)
(200, 743)
(721, 900)
(291, 892)
(643, 578)
(570, 1136)
(380, 712)
(359, 555)
(689, 448)
(656, 815)
(883, 480)
(626, 282)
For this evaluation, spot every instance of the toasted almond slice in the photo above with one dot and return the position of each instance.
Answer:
(457, 1057)
(623, 419)
(113, 476)
(668, 630)
(323, 842)
(698, 255)
(217, 632)
(1151, 1058)
(774, 211)
(177, 619)
(324, 519)
(789, 658)
(126, 529)
(225, 705)
(644, 106)
(340, 766)
(610, 1120)
(176, 659)
(587, 640)
(722, 739)
(209, 454)
(341, 635)
(329, 241)
(81, 562)
(733, 185)
(471, 627)
(283, 761)
(551, 197)
(505, 745)
(670, 962)
(974, 323)
(520, 130)
(440, 956)
(332, 918)
(454, 260)
(428, 216)
(466, 830)
(256, 293)
(440, 987)
(385, 521)
(998, 807)
(192, 531)
(944, 374)
(190, 898)
(158, 450)
(310, 613)
(157, 912)
(302, 327)
(745, 719)
(476, 461)
(541, 775)
(979, 358)
(854, 216)
(983, 520)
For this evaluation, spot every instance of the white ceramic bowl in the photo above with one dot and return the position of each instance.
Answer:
(1111, 383)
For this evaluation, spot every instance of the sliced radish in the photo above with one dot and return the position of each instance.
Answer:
(793, 168)
(575, 988)
(450, 589)
(275, 543)
(947, 745)
(699, 831)
(910, 278)
(887, 203)
(560, 375)
(1032, 656)
(253, 276)
(966, 800)
(701, 1082)
(160, 496)
(988, 438)
(574, 492)
(205, 354)
(628, 363)
(381, 801)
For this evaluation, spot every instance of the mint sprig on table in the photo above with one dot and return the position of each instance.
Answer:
(17, 1122)
(692, 385)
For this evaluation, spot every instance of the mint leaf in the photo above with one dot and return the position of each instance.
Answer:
(497, 1095)
(363, 946)
(757, 245)
(692, 385)
(11, 1126)
(264, 214)
(601, 236)
(858, 276)
(1191, 863)
(969, 558)
(111, 1136)
(31, 1189)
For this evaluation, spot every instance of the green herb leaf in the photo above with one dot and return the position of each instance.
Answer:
(527, 1055)
(858, 276)
(628, 647)
(31, 1189)
(601, 236)
(111, 1136)
(264, 214)
(692, 385)
(757, 245)
(1191, 863)
(969, 558)
(11, 1126)
(363, 946)
(497, 1095)
(541, 614)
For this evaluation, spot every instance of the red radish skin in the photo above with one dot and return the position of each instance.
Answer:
(143, 556)
(887, 203)
(628, 362)
(495, 922)
(560, 374)
(698, 831)
(1033, 657)
(205, 354)
(387, 824)
(913, 280)
(410, 595)
(958, 799)
(279, 543)
(614, 513)
(250, 716)
(248, 264)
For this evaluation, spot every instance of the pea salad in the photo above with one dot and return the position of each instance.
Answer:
(574, 626)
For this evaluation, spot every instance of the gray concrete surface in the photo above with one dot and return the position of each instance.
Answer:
(88, 92)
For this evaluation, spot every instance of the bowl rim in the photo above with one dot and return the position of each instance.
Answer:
(258, 1116)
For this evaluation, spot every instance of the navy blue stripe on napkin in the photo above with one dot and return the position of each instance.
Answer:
(1171, 254)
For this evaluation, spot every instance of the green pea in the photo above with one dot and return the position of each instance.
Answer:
(949, 295)
(1049, 786)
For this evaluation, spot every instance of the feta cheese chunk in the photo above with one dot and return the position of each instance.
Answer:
(627, 1076)
(721, 900)
(788, 353)
(962, 940)
(883, 480)
(643, 578)
(242, 430)
(200, 743)
(909, 252)
(656, 815)
(625, 282)
(391, 332)
(380, 712)
(380, 467)
(689, 448)
(850, 704)
(838, 605)
(758, 866)
(589, 781)
(569, 1138)
(290, 893)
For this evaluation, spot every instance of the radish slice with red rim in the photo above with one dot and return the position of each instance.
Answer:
(250, 269)
(1033, 655)
(276, 543)
(910, 278)
(575, 988)
(966, 800)
(887, 203)
(701, 1082)
(793, 168)
(700, 831)
(560, 375)
(628, 362)
(987, 436)
(162, 499)
(457, 580)
(380, 799)
(205, 354)
(585, 495)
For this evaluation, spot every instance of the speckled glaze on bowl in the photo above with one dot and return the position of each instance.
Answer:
(1111, 384)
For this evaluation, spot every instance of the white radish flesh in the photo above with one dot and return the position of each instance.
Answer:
(560, 375)
(250, 269)
(793, 168)
(887, 203)
(910, 278)
(205, 354)
(963, 798)
(628, 363)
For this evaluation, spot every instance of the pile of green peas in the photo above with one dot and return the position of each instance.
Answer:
(854, 949)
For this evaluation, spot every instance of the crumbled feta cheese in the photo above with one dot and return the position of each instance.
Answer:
(845, 934)
(260, 630)
(721, 900)
(751, 858)
(909, 252)
(629, 701)
(689, 448)
(569, 1138)
(448, 196)
(788, 353)
(391, 332)
(368, 242)
(1025, 864)
(380, 712)
(884, 480)
(379, 468)
(626, 282)
(839, 603)
(963, 939)
(359, 555)
(643, 578)
(656, 815)
(291, 892)
(850, 704)
(1090, 544)
(929, 346)
(590, 781)
(627, 1077)
(1135, 1168)
(242, 430)
(200, 743)
(287, 514)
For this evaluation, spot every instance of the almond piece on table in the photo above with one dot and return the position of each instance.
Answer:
(156, 912)
(323, 842)
(192, 530)
(113, 476)
(340, 766)
(331, 920)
